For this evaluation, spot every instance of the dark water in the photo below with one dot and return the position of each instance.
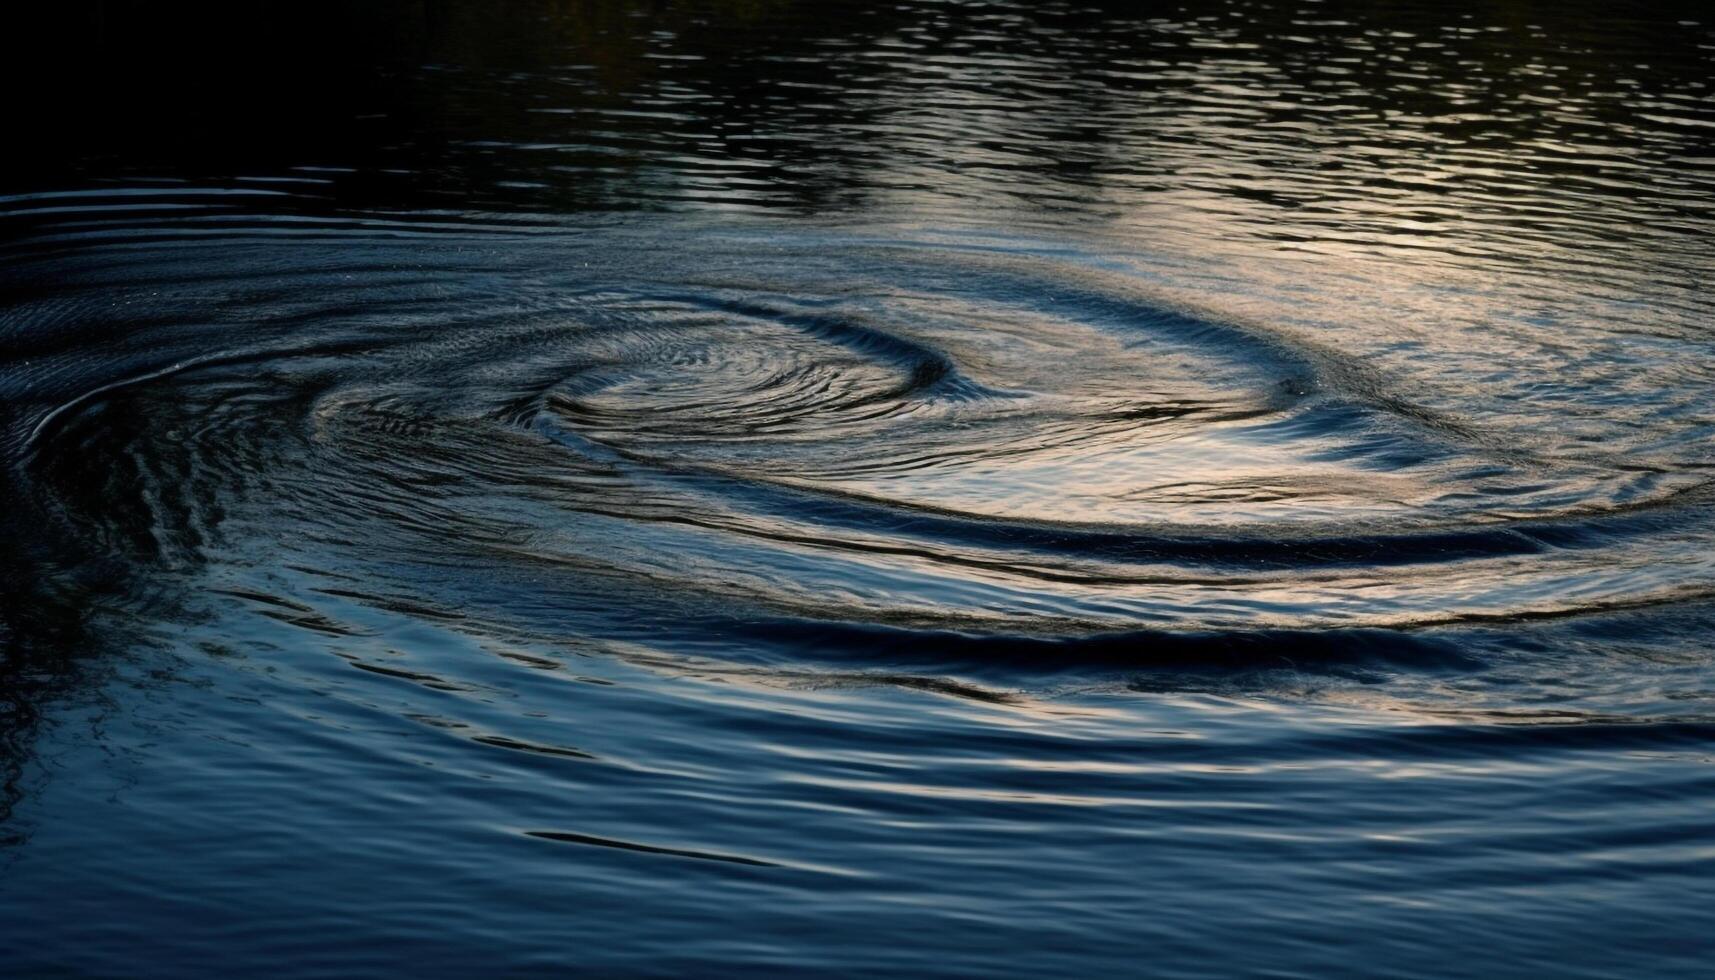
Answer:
(927, 487)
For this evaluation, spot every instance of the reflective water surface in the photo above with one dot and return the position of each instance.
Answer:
(947, 488)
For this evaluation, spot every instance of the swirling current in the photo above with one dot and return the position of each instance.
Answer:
(952, 564)
(963, 435)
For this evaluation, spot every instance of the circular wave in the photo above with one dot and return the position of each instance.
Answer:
(757, 427)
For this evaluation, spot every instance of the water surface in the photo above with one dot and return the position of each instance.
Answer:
(943, 488)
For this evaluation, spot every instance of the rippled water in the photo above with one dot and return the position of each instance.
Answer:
(948, 488)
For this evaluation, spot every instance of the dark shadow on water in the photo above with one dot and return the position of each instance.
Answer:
(581, 104)
(48, 654)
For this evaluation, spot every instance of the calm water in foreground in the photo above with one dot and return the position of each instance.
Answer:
(924, 487)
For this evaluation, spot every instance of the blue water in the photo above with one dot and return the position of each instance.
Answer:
(933, 488)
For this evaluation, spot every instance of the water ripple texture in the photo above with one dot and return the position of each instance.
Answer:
(736, 487)
(948, 435)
